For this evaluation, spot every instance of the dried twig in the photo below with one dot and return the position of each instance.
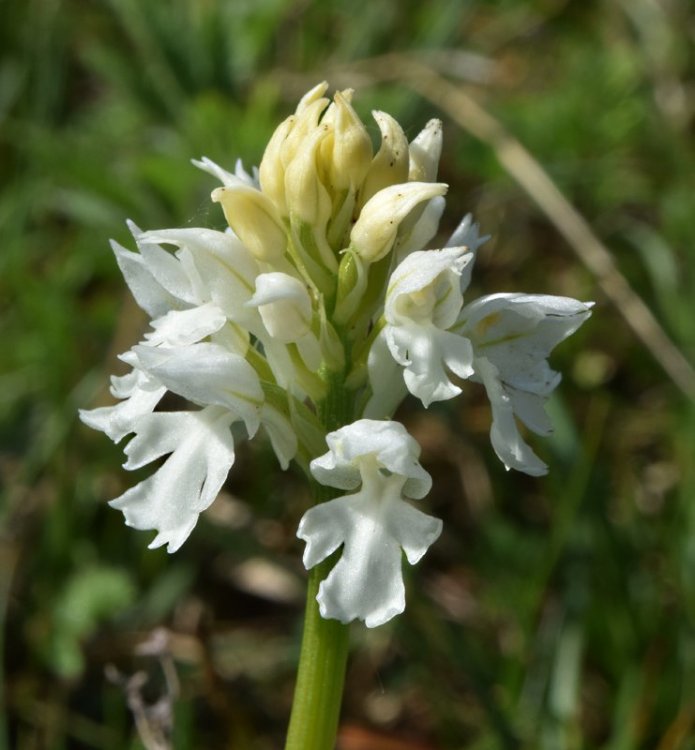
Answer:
(153, 721)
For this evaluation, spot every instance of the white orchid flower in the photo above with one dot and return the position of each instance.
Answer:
(374, 524)
(512, 336)
(423, 301)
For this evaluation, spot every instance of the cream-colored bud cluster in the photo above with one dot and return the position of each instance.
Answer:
(327, 207)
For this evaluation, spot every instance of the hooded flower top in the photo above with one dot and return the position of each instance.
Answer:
(321, 284)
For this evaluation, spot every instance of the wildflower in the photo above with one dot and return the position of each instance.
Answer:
(423, 301)
(512, 336)
(374, 524)
(321, 291)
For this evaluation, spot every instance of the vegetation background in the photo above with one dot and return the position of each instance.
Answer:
(554, 613)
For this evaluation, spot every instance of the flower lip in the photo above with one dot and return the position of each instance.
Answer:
(374, 526)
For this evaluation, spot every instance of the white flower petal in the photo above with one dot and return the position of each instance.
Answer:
(146, 290)
(425, 151)
(224, 271)
(185, 327)
(388, 386)
(202, 452)
(467, 233)
(282, 435)
(423, 231)
(168, 272)
(423, 351)
(505, 437)
(214, 169)
(530, 409)
(225, 177)
(140, 393)
(426, 287)
(207, 374)
(284, 305)
(517, 332)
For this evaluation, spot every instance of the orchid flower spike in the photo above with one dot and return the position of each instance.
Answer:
(321, 291)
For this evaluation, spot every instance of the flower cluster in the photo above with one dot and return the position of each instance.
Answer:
(320, 285)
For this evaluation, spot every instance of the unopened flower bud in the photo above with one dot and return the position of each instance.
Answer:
(425, 150)
(271, 171)
(254, 220)
(375, 231)
(306, 123)
(312, 96)
(390, 165)
(307, 198)
(352, 147)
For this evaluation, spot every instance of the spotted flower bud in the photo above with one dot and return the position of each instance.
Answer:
(377, 227)
(390, 165)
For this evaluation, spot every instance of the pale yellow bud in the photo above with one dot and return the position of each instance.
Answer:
(390, 165)
(347, 95)
(271, 172)
(312, 96)
(352, 147)
(254, 220)
(307, 198)
(375, 231)
(425, 150)
(329, 114)
(307, 121)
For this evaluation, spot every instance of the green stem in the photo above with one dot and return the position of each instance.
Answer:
(319, 690)
(323, 658)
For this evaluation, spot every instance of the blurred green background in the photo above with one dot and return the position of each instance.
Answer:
(554, 613)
